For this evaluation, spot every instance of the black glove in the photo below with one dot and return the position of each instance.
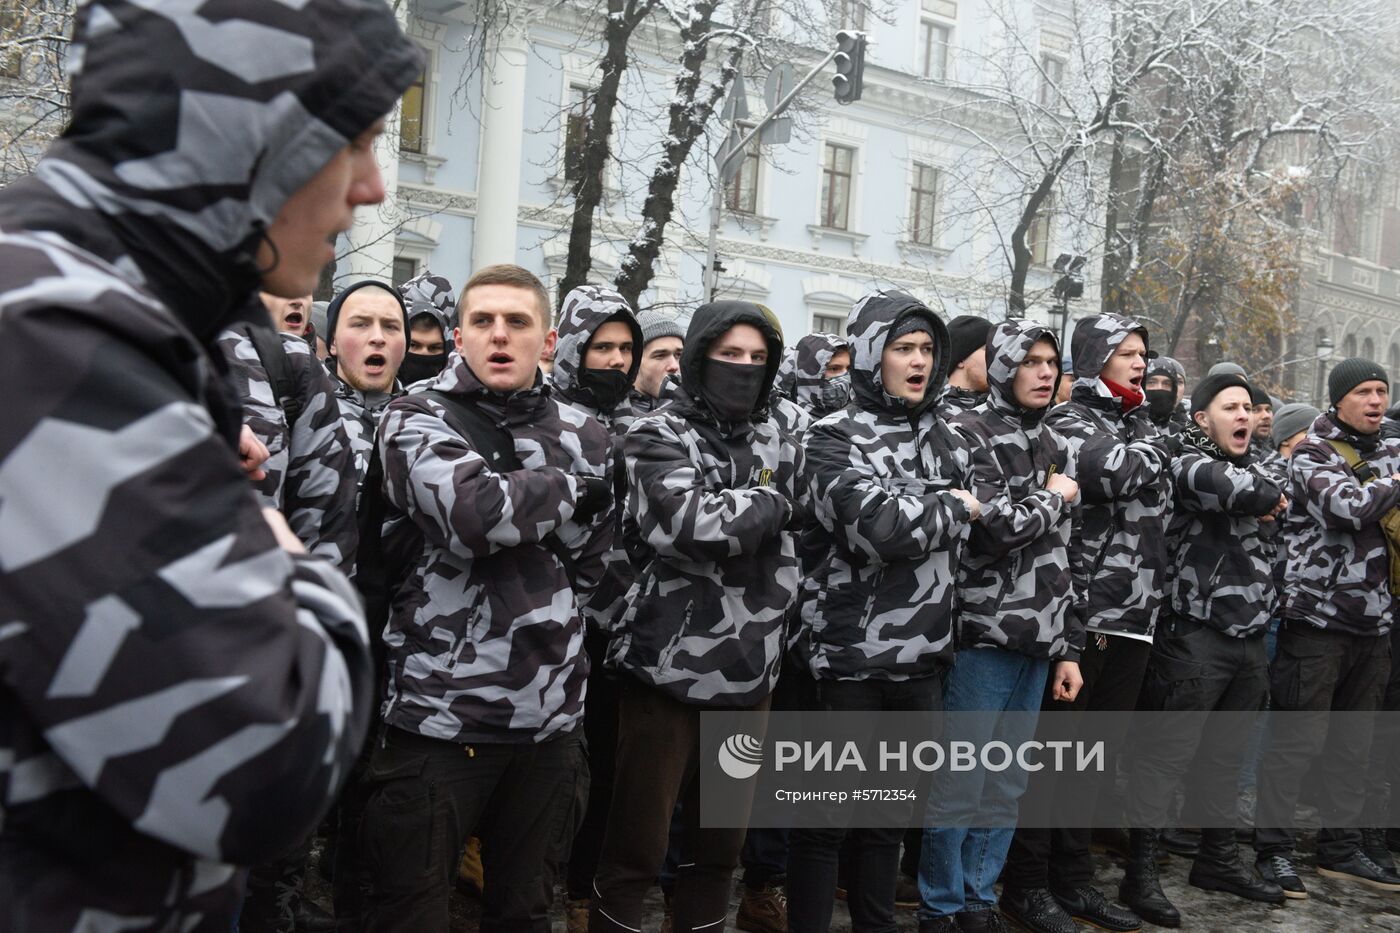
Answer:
(797, 519)
(1172, 443)
(597, 495)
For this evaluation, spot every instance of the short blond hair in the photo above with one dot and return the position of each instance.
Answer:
(505, 273)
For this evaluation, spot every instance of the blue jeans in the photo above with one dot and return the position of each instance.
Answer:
(959, 865)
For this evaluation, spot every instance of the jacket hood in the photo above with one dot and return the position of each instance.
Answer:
(868, 329)
(430, 294)
(1166, 366)
(1007, 346)
(813, 354)
(785, 384)
(1095, 338)
(709, 322)
(178, 161)
(586, 309)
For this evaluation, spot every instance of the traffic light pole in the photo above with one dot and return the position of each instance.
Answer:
(717, 201)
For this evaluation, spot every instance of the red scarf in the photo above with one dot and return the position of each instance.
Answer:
(1130, 397)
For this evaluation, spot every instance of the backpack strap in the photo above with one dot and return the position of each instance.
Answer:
(1359, 468)
(273, 356)
(495, 444)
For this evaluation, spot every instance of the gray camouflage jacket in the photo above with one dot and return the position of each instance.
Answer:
(1021, 585)
(1221, 571)
(360, 417)
(879, 606)
(178, 694)
(1125, 481)
(707, 502)
(954, 401)
(485, 640)
(1338, 566)
(310, 470)
(586, 309)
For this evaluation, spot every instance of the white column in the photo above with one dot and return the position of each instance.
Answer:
(498, 172)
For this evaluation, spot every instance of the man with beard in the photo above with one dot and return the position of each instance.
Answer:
(367, 323)
(431, 320)
(1209, 652)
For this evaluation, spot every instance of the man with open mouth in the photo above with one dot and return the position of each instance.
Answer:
(1124, 473)
(1209, 651)
(368, 325)
(289, 315)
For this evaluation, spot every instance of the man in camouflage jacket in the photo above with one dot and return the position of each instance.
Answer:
(1124, 474)
(362, 397)
(1333, 646)
(815, 375)
(485, 641)
(889, 485)
(1164, 386)
(712, 486)
(1017, 588)
(432, 316)
(1209, 652)
(966, 387)
(182, 687)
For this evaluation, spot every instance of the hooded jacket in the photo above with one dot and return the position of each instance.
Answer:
(310, 470)
(485, 639)
(1021, 585)
(178, 694)
(811, 389)
(360, 415)
(879, 606)
(586, 309)
(1125, 481)
(1177, 420)
(708, 502)
(1222, 558)
(955, 400)
(1338, 564)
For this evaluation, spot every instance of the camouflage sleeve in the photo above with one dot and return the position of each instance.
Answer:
(601, 546)
(207, 685)
(1331, 493)
(679, 518)
(319, 491)
(1077, 621)
(260, 412)
(432, 474)
(886, 520)
(1204, 484)
(1110, 468)
(1007, 525)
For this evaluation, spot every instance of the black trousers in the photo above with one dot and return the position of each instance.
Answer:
(1113, 668)
(1382, 802)
(1320, 671)
(871, 858)
(600, 735)
(428, 796)
(1194, 669)
(658, 751)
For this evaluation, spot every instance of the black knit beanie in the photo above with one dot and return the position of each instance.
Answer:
(1257, 395)
(333, 309)
(967, 333)
(1350, 373)
(1211, 386)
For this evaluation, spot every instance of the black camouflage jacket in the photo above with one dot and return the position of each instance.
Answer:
(707, 502)
(1021, 585)
(485, 641)
(178, 694)
(310, 469)
(1125, 481)
(879, 606)
(954, 401)
(1221, 571)
(360, 416)
(1338, 565)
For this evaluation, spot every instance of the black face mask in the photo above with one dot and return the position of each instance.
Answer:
(609, 386)
(1160, 403)
(419, 366)
(732, 389)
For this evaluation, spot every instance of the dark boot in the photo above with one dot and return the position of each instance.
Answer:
(1374, 845)
(1142, 887)
(1182, 842)
(1218, 868)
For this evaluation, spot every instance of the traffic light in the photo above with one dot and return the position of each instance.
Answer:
(850, 64)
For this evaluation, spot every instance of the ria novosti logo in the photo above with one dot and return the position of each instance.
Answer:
(741, 756)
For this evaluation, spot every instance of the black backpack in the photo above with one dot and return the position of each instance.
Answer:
(273, 356)
(383, 562)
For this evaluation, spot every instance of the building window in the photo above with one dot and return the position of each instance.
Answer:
(1368, 240)
(934, 39)
(1368, 349)
(828, 324)
(411, 117)
(850, 14)
(404, 269)
(1052, 78)
(1038, 236)
(1349, 347)
(741, 194)
(923, 201)
(836, 186)
(576, 129)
